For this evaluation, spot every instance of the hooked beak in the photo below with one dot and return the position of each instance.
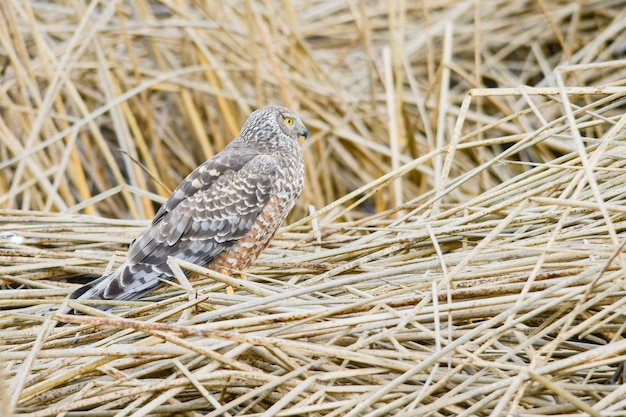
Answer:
(303, 130)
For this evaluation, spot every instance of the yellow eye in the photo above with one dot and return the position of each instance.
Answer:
(288, 121)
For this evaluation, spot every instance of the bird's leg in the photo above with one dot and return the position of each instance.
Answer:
(229, 289)
(242, 275)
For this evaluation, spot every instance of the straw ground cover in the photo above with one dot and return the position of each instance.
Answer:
(457, 250)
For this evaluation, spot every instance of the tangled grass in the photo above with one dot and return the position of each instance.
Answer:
(458, 249)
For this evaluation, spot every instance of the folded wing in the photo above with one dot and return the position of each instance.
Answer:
(213, 208)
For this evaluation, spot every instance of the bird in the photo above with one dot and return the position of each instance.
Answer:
(222, 215)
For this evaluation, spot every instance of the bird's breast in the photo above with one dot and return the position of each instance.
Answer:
(285, 191)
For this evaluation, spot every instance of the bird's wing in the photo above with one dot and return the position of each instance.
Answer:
(206, 220)
(232, 158)
(214, 207)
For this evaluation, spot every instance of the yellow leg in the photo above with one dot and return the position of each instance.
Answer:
(229, 289)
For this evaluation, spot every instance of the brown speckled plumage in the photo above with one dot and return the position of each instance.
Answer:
(223, 214)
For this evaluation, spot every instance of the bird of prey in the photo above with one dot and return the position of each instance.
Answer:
(223, 215)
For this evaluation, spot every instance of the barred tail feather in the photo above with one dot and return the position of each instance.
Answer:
(125, 283)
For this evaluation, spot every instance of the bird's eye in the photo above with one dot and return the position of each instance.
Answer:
(288, 121)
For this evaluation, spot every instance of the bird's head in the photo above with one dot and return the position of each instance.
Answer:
(272, 123)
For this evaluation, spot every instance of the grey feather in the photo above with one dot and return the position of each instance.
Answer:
(212, 208)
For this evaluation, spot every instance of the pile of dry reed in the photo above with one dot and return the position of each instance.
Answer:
(454, 253)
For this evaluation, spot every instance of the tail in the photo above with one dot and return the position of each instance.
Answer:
(128, 282)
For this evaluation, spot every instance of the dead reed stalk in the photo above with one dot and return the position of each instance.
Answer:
(458, 249)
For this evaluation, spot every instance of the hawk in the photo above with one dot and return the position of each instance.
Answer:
(223, 215)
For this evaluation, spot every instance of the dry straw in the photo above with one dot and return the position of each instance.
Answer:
(458, 249)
